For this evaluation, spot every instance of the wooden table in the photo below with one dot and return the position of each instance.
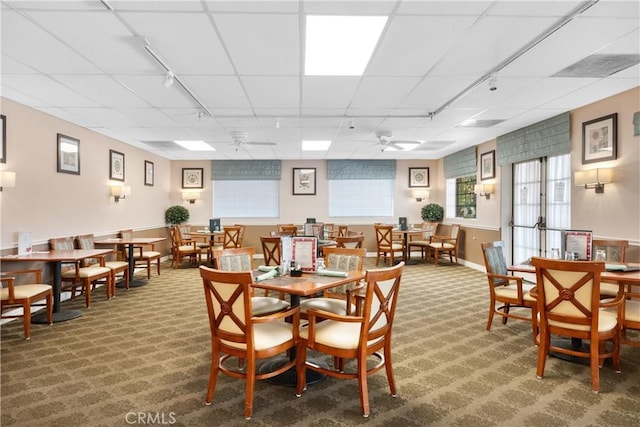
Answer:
(307, 285)
(130, 244)
(56, 258)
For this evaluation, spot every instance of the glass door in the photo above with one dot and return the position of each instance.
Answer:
(541, 206)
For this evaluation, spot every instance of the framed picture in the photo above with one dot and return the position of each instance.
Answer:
(148, 173)
(488, 165)
(116, 165)
(68, 154)
(418, 177)
(304, 251)
(600, 139)
(3, 139)
(578, 242)
(304, 181)
(192, 177)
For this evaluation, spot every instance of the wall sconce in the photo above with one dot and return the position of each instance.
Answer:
(119, 192)
(191, 196)
(593, 178)
(484, 190)
(420, 194)
(7, 179)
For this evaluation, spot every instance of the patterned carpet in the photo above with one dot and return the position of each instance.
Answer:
(143, 358)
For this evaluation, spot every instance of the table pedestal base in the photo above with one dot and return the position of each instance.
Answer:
(290, 376)
(61, 316)
(134, 283)
(573, 344)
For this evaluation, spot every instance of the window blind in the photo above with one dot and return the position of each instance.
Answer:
(551, 137)
(238, 170)
(461, 163)
(361, 169)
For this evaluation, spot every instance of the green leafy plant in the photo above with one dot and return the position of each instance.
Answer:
(432, 212)
(176, 215)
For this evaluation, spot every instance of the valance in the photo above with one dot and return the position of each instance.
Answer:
(361, 169)
(237, 170)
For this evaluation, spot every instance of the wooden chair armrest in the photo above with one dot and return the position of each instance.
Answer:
(354, 295)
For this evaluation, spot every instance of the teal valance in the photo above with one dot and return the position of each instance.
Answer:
(460, 163)
(361, 169)
(237, 170)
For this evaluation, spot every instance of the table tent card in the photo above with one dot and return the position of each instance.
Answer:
(24, 243)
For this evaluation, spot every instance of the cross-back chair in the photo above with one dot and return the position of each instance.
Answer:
(74, 275)
(142, 258)
(118, 266)
(349, 241)
(386, 244)
(236, 332)
(507, 290)
(568, 295)
(26, 296)
(271, 250)
(358, 337)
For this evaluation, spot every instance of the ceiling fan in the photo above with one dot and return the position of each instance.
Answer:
(386, 141)
(240, 139)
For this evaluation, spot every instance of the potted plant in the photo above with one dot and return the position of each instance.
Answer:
(177, 214)
(432, 212)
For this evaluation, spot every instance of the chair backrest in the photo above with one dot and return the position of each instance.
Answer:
(342, 230)
(289, 230)
(614, 249)
(494, 260)
(231, 237)
(62, 244)
(455, 231)
(241, 237)
(86, 241)
(568, 293)
(350, 241)
(344, 259)
(126, 234)
(381, 297)
(234, 259)
(429, 229)
(271, 250)
(185, 231)
(281, 227)
(384, 235)
(228, 296)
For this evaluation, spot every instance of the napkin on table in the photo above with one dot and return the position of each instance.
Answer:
(332, 273)
(267, 275)
(267, 267)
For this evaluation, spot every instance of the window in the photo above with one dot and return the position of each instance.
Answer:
(361, 197)
(246, 199)
(461, 200)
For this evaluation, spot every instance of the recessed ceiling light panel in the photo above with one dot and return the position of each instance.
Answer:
(195, 145)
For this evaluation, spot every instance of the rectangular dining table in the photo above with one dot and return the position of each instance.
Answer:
(131, 244)
(56, 258)
(307, 285)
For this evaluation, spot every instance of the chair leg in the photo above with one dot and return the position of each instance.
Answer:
(389, 368)
(49, 308)
(26, 319)
(250, 386)
(492, 308)
(363, 386)
(301, 367)
(148, 269)
(543, 351)
(213, 376)
(87, 292)
(595, 366)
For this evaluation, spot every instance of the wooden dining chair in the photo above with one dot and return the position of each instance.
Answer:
(271, 250)
(118, 266)
(614, 252)
(144, 255)
(385, 243)
(423, 240)
(74, 275)
(358, 337)
(243, 228)
(182, 249)
(236, 332)
(25, 296)
(290, 230)
(447, 245)
(568, 295)
(350, 241)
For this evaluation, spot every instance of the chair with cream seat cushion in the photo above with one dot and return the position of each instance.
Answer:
(25, 296)
(446, 244)
(386, 244)
(355, 241)
(337, 300)
(182, 248)
(424, 239)
(87, 241)
(568, 295)
(74, 275)
(614, 252)
(141, 257)
(241, 259)
(629, 313)
(358, 337)
(509, 291)
(236, 332)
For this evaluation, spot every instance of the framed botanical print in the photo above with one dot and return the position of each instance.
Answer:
(418, 177)
(488, 165)
(304, 181)
(148, 173)
(599, 139)
(192, 177)
(68, 155)
(116, 165)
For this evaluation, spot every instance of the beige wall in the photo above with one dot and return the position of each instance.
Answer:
(51, 204)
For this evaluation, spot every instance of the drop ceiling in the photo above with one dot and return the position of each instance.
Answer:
(240, 65)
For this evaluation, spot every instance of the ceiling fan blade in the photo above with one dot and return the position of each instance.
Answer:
(395, 146)
(396, 141)
(260, 143)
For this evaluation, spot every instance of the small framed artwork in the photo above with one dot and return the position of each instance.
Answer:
(488, 165)
(418, 177)
(68, 155)
(304, 181)
(116, 165)
(599, 139)
(3, 139)
(192, 177)
(148, 173)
